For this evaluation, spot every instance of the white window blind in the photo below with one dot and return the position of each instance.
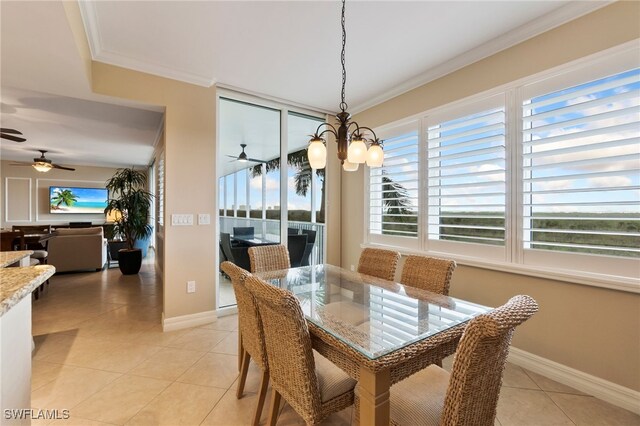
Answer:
(581, 168)
(160, 194)
(466, 183)
(393, 190)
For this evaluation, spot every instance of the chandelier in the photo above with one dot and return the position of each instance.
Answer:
(351, 138)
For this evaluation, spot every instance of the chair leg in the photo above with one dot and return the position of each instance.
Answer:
(246, 358)
(275, 407)
(264, 383)
(240, 351)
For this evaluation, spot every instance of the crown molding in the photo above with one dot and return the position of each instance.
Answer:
(551, 20)
(89, 15)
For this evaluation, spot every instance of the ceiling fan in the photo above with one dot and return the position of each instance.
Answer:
(9, 135)
(243, 156)
(43, 164)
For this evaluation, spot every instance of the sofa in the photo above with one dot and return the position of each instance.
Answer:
(77, 249)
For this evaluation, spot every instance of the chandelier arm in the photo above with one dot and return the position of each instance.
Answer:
(332, 131)
(367, 128)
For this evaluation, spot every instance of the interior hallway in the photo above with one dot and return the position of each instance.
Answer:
(101, 353)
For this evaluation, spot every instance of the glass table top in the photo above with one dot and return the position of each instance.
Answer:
(372, 315)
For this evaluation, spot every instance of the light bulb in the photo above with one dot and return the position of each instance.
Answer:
(357, 152)
(375, 156)
(317, 154)
(349, 167)
(42, 166)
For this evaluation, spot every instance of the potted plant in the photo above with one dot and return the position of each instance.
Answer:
(129, 197)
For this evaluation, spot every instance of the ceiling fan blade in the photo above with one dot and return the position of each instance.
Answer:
(232, 156)
(14, 131)
(55, 166)
(255, 160)
(12, 138)
(19, 164)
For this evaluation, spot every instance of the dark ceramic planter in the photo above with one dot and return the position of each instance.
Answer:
(130, 261)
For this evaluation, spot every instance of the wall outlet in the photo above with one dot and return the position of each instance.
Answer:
(191, 286)
(181, 219)
(353, 268)
(204, 219)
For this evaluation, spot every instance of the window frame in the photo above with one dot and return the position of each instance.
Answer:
(569, 267)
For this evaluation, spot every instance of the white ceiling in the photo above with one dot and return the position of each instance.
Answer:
(285, 50)
(45, 93)
(77, 131)
(290, 49)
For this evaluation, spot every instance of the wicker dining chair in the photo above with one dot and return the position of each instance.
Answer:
(379, 263)
(251, 335)
(312, 385)
(428, 273)
(269, 258)
(469, 395)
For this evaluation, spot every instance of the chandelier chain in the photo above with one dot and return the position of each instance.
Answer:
(343, 104)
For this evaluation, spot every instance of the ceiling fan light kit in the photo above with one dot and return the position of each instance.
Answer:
(42, 167)
(352, 144)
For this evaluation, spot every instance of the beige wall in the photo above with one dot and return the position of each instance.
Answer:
(28, 195)
(594, 330)
(190, 179)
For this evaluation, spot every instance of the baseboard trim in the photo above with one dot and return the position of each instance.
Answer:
(186, 321)
(615, 394)
(227, 310)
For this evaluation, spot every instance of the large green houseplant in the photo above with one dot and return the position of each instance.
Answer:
(131, 202)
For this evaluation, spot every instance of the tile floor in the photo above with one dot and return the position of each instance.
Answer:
(101, 353)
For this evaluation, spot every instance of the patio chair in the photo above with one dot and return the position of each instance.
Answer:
(312, 385)
(269, 258)
(237, 255)
(251, 337)
(296, 245)
(311, 240)
(379, 263)
(428, 273)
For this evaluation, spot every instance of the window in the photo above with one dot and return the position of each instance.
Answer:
(393, 188)
(466, 189)
(160, 194)
(542, 174)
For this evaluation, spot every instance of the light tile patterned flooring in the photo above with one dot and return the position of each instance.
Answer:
(101, 353)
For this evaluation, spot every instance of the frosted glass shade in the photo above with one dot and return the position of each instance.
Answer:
(375, 156)
(349, 167)
(357, 152)
(42, 167)
(317, 154)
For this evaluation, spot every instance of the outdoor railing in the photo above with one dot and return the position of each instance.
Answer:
(270, 230)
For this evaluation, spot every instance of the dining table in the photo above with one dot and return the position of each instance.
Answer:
(377, 331)
(252, 241)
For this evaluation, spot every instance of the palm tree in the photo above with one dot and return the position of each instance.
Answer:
(64, 196)
(302, 178)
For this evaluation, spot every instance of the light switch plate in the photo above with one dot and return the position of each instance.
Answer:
(191, 286)
(204, 219)
(181, 219)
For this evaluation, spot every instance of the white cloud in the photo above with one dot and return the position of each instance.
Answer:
(604, 181)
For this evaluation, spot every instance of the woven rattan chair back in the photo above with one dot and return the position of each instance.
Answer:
(269, 258)
(288, 344)
(379, 263)
(428, 273)
(249, 321)
(476, 375)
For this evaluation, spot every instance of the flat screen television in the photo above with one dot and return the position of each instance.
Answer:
(70, 200)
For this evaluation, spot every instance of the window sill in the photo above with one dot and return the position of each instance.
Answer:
(594, 280)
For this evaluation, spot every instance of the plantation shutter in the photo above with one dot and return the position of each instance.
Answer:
(160, 194)
(393, 188)
(581, 168)
(466, 186)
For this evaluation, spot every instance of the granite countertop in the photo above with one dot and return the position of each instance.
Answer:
(9, 257)
(17, 283)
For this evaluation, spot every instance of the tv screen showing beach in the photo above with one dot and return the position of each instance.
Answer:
(64, 199)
